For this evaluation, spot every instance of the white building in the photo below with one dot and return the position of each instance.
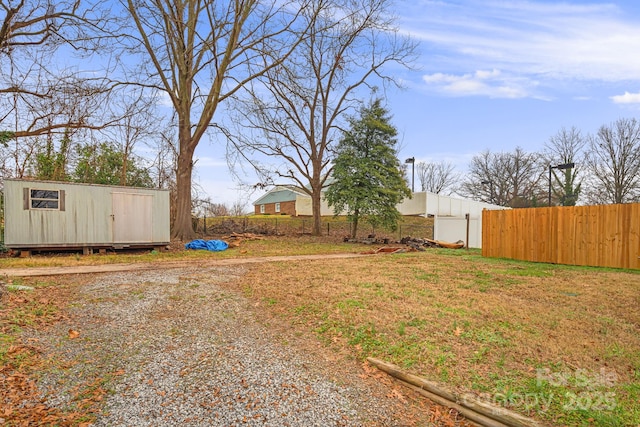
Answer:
(449, 213)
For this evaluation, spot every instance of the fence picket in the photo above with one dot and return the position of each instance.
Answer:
(603, 235)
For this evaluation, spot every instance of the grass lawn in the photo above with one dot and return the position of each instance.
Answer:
(272, 246)
(558, 343)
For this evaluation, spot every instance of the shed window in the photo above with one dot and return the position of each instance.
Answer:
(44, 199)
(261, 208)
(277, 207)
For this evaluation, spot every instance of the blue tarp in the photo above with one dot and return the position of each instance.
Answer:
(209, 245)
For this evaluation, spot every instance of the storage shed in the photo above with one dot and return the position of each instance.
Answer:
(60, 215)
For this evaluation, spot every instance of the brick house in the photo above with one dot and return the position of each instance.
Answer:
(281, 200)
(454, 218)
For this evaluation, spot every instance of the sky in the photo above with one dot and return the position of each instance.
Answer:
(495, 75)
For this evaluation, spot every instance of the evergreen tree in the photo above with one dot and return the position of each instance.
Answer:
(51, 163)
(566, 189)
(103, 164)
(367, 181)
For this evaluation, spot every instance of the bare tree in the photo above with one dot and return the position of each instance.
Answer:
(511, 179)
(163, 167)
(295, 111)
(238, 208)
(566, 146)
(218, 209)
(18, 155)
(614, 163)
(56, 105)
(41, 104)
(38, 130)
(133, 112)
(437, 177)
(31, 23)
(199, 53)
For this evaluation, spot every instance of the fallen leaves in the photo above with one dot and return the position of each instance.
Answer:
(22, 402)
(22, 350)
(396, 394)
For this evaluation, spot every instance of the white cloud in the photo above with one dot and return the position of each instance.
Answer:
(627, 98)
(164, 100)
(483, 83)
(538, 39)
(211, 162)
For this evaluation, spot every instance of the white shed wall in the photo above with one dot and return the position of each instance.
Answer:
(87, 218)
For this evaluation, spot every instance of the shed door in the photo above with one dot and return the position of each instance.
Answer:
(132, 218)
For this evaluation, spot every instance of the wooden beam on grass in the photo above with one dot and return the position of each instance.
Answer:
(476, 410)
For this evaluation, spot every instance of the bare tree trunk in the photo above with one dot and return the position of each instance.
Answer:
(354, 229)
(123, 172)
(183, 226)
(317, 212)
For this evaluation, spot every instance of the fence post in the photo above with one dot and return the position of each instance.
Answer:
(303, 226)
(276, 226)
(468, 218)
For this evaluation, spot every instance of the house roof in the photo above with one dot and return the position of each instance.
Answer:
(279, 194)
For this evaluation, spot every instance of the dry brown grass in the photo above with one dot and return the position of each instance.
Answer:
(489, 326)
(271, 246)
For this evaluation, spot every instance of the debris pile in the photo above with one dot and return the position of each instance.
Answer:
(388, 250)
(234, 239)
(230, 226)
(370, 240)
(421, 244)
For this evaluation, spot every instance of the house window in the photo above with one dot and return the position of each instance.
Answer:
(44, 199)
(277, 207)
(261, 208)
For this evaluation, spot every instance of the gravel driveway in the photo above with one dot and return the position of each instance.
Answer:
(183, 351)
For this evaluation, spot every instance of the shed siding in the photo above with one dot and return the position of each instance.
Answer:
(85, 220)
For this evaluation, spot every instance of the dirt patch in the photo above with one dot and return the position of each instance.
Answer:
(105, 268)
(121, 346)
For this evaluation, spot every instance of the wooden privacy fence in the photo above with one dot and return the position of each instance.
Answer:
(602, 236)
